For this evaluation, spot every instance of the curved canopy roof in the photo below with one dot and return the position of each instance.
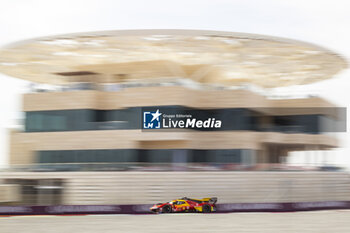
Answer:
(209, 57)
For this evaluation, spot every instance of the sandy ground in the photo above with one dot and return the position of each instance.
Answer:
(318, 221)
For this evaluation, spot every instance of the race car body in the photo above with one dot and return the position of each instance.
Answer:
(205, 205)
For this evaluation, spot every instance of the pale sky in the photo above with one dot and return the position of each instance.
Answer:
(326, 23)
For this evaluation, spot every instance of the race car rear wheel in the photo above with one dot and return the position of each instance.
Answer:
(206, 209)
(166, 209)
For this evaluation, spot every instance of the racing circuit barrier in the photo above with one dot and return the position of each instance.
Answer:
(125, 188)
(144, 209)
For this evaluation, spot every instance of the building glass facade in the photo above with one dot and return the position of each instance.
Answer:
(131, 118)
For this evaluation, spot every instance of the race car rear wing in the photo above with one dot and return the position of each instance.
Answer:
(211, 200)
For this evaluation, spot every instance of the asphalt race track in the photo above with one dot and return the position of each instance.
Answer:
(316, 221)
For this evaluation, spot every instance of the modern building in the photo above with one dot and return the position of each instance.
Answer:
(89, 93)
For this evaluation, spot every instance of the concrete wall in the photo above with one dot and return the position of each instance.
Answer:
(24, 145)
(229, 187)
(164, 96)
(9, 193)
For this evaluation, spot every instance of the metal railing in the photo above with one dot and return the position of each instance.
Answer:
(143, 166)
(289, 93)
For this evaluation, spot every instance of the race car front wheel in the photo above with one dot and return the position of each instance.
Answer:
(206, 209)
(166, 209)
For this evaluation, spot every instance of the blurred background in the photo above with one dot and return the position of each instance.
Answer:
(323, 24)
(76, 76)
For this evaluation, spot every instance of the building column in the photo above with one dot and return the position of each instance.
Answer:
(248, 157)
(179, 159)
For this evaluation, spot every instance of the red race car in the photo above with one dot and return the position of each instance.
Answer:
(204, 205)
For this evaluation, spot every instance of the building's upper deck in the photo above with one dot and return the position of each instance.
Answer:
(207, 57)
(89, 96)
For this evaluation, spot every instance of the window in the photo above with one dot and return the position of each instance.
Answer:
(40, 191)
(130, 118)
